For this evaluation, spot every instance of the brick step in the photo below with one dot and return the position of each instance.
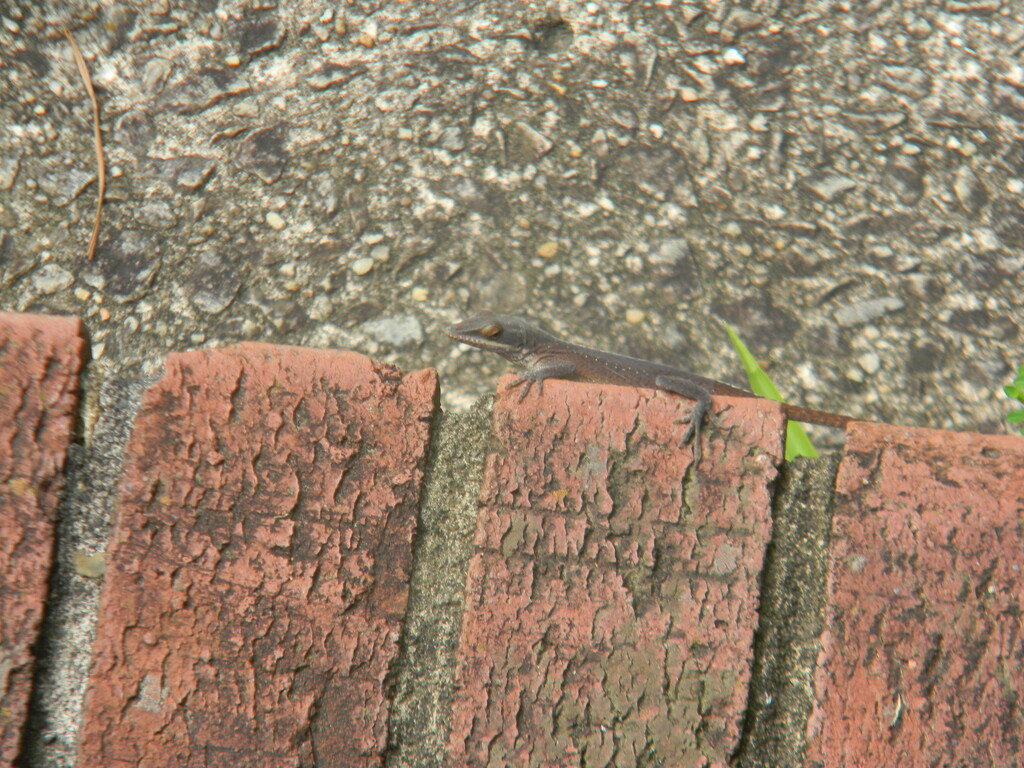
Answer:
(613, 605)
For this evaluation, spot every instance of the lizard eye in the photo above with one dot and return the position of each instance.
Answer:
(491, 330)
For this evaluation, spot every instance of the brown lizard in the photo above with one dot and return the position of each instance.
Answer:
(547, 357)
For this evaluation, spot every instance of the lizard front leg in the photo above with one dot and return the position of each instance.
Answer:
(549, 368)
(701, 405)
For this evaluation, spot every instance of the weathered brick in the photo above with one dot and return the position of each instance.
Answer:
(258, 574)
(612, 600)
(40, 359)
(923, 655)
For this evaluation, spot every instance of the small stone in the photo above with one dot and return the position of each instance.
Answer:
(969, 189)
(635, 316)
(8, 171)
(704, 65)
(89, 566)
(362, 266)
(275, 221)
(419, 293)
(155, 75)
(213, 283)
(830, 186)
(156, 214)
(51, 278)
(866, 311)
(65, 185)
(396, 331)
(331, 74)
(547, 250)
(733, 57)
(193, 171)
(870, 362)
(198, 92)
(531, 141)
(451, 139)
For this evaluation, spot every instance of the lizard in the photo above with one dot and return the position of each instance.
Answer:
(544, 356)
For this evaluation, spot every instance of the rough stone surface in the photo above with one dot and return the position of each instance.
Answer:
(40, 359)
(923, 647)
(258, 574)
(814, 157)
(612, 596)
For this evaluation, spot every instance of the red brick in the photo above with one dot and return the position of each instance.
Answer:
(923, 652)
(611, 603)
(40, 359)
(259, 569)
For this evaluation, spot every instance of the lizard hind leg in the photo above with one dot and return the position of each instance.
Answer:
(701, 405)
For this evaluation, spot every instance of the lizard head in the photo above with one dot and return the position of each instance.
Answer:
(510, 336)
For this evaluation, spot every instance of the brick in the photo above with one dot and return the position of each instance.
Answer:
(259, 569)
(40, 359)
(923, 650)
(612, 599)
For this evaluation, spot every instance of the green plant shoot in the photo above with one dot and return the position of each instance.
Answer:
(797, 441)
(1016, 391)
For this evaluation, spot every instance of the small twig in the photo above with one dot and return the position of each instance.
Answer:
(101, 168)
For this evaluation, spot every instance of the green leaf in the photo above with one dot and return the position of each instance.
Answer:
(1017, 386)
(797, 441)
(1016, 391)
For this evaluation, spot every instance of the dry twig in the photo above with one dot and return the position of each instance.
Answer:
(101, 170)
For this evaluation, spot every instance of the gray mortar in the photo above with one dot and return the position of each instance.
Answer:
(420, 718)
(794, 592)
(85, 518)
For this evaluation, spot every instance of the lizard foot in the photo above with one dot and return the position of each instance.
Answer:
(694, 422)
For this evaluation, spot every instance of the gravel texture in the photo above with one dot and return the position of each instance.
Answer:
(842, 182)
